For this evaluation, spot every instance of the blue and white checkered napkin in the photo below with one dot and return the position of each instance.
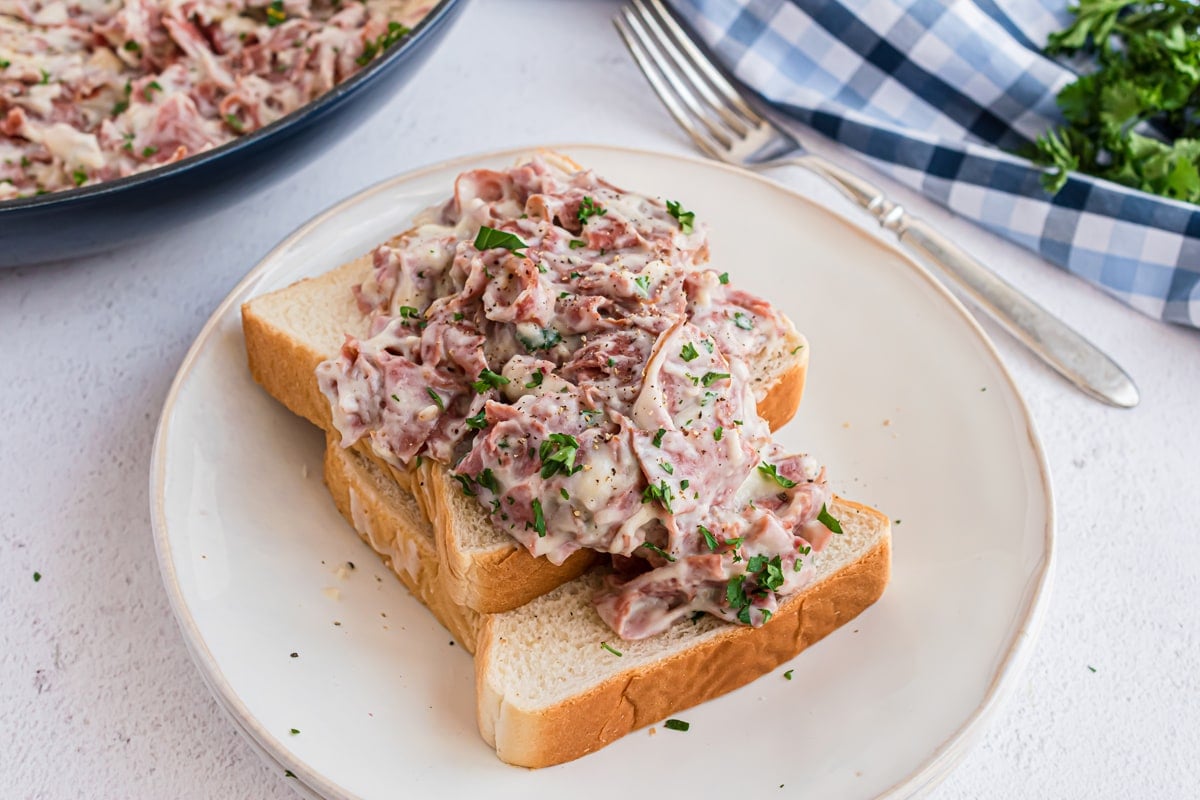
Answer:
(933, 92)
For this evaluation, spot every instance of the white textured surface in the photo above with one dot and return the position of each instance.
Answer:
(97, 695)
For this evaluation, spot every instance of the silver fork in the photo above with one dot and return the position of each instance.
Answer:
(722, 123)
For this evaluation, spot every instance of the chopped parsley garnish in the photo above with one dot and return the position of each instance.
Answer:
(132, 46)
(295, 731)
(658, 437)
(232, 121)
(611, 649)
(588, 209)
(743, 320)
(797, 349)
(539, 521)
(5, 63)
(564, 494)
(683, 484)
(662, 493)
(768, 570)
(575, 275)
(558, 452)
(771, 471)
(828, 520)
(479, 421)
(787, 676)
(547, 338)
(488, 380)
(287, 773)
(465, 481)
(120, 107)
(394, 33)
(436, 398)
(80, 177)
(275, 14)
(712, 377)
(643, 284)
(686, 219)
(37, 576)
(151, 88)
(408, 312)
(677, 725)
(611, 361)
(46, 78)
(149, 151)
(535, 380)
(656, 549)
(723, 278)
(575, 244)
(718, 432)
(487, 480)
(667, 467)
(735, 595)
(688, 353)
(590, 415)
(709, 539)
(490, 238)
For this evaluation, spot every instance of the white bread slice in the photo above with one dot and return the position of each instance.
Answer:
(290, 331)
(547, 692)
(388, 519)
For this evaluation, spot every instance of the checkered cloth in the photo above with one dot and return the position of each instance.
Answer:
(933, 92)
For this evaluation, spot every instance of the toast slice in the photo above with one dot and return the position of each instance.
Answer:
(546, 690)
(290, 331)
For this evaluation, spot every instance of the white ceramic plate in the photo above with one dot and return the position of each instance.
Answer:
(907, 404)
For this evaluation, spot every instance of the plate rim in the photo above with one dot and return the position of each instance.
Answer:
(928, 774)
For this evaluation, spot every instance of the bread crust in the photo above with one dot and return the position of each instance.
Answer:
(374, 513)
(644, 695)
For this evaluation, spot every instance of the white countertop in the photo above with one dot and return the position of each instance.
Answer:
(98, 697)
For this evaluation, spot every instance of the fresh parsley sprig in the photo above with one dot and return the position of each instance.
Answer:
(1134, 119)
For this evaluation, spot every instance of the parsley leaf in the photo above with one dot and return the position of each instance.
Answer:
(828, 520)
(558, 452)
(539, 521)
(718, 432)
(723, 278)
(535, 380)
(656, 549)
(658, 437)
(490, 238)
(771, 472)
(743, 320)
(488, 380)
(688, 353)
(686, 219)
(436, 398)
(660, 492)
(712, 377)
(643, 284)
(610, 649)
(588, 209)
(709, 539)
(479, 421)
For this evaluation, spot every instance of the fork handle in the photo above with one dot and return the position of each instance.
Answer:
(1061, 347)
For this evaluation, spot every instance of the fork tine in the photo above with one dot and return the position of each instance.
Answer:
(704, 65)
(664, 92)
(686, 71)
(654, 48)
